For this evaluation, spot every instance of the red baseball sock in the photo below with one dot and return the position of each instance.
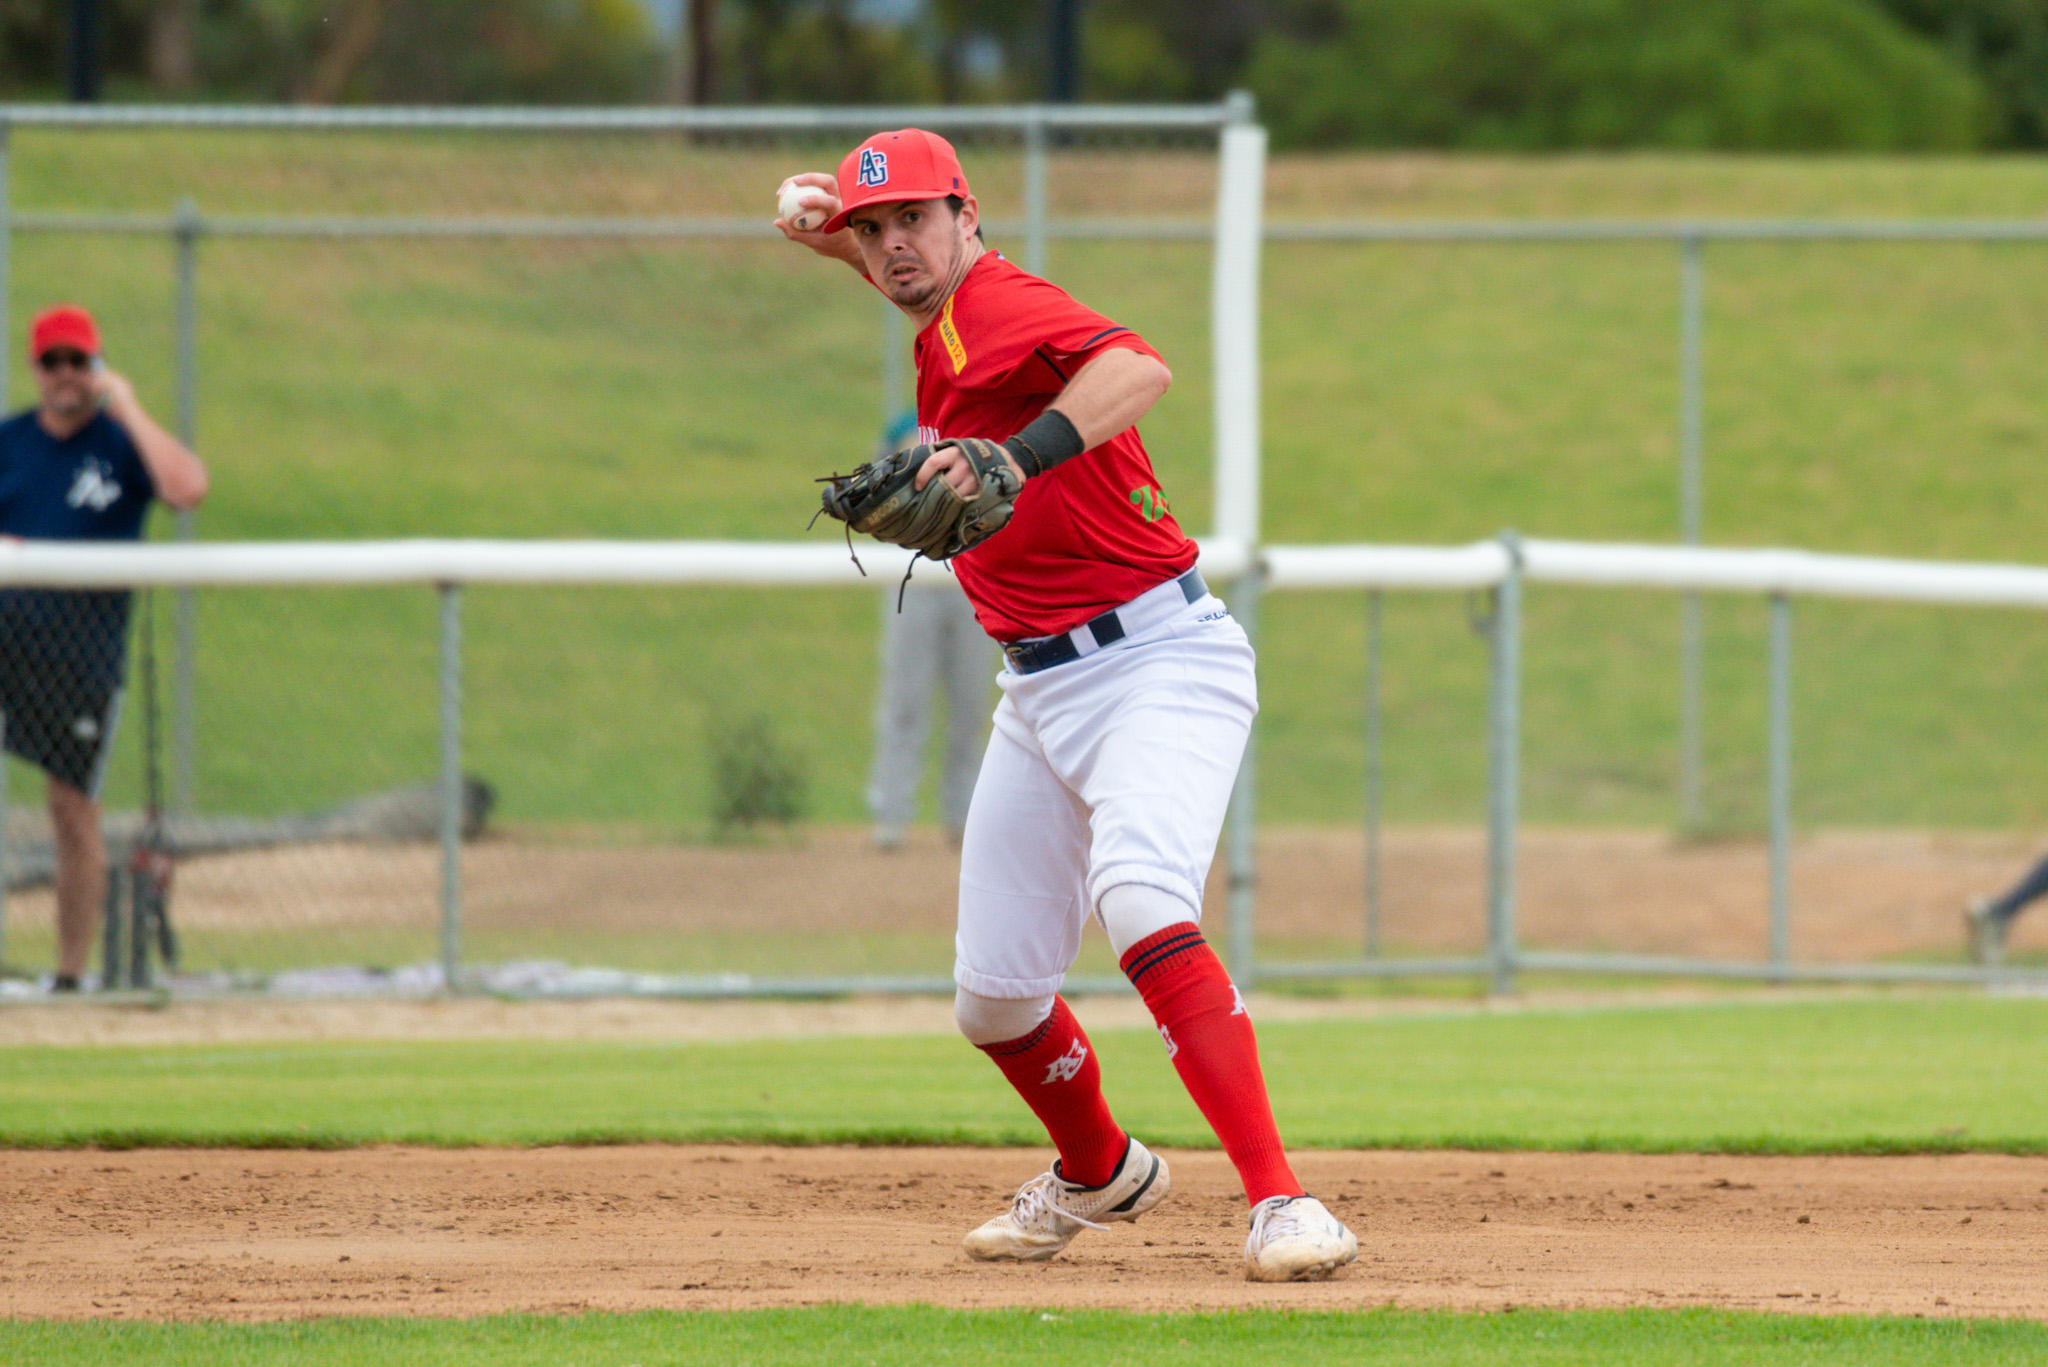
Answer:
(1053, 1068)
(1209, 1038)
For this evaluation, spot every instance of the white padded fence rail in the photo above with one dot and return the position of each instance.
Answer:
(1478, 566)
(827, 562)
(1790, 572)
(824, 562)
(1794, 573)
(1235, 568)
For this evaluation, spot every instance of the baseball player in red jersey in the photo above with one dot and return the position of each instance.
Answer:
(1128, 694)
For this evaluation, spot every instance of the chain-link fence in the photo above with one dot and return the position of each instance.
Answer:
(1848, 383)
(379, 323)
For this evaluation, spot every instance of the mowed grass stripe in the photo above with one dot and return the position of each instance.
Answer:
(841, 1336)
(1858, 1075)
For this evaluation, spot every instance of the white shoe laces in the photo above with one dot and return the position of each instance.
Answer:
(1275, 1220)
(1037, 1203)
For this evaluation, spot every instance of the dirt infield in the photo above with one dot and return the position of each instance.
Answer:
(268, 1235)
(283, 1235)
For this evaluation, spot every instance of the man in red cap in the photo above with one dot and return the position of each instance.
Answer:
(1128, 694)
(82, 465)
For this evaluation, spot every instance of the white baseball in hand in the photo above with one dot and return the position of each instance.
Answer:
(790, 205)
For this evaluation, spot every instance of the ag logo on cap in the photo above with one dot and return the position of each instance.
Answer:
(874, 167)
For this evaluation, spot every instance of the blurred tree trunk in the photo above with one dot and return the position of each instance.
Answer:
(173, 64)
(87, 50)
(703, 51)
(343, 55)
(1062, 51)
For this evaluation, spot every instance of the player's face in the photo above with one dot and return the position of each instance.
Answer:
(916, 251)
(64, 381)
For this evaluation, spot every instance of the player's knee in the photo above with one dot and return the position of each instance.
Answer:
(1132, 912)
(997, 1020)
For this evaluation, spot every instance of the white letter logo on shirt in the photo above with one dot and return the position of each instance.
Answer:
(93, 486)
(1063, 1068)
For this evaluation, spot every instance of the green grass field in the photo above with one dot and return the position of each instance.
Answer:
(1860, 397)
(1872, 1074)
(1867, 398)
(845, 1336)
(1850, 1074)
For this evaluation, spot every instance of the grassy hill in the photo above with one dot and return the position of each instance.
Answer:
(1860, 397)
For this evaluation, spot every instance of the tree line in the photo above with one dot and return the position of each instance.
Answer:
(1510, 75)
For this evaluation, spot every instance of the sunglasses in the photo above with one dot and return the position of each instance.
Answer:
(57, 360)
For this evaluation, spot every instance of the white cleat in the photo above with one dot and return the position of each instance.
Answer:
(1049, 1210)
(1295, 1239)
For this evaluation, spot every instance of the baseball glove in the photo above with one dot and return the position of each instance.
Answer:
(882, 499)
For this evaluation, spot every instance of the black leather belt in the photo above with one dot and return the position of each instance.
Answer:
(1028, 657)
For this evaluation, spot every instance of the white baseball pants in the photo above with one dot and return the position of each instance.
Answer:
(1111, 769)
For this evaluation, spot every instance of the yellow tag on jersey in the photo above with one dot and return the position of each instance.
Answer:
(950, 335)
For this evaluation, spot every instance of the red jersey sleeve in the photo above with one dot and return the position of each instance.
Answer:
(1020, 337)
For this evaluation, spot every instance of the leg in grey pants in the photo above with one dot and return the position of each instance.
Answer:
(933, 644)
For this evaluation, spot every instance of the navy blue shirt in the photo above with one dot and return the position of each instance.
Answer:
(89, 486)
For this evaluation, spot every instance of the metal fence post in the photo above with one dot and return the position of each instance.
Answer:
(1234, 301)
(1690, 311)
(1372, 773)
(451, 786)
(183, 707)
(1035, 195)
(1503, 732)
(1780, 745)
(1242, 824)
(895, 363)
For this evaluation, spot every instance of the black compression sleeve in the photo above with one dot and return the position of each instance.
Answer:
(1046, 441)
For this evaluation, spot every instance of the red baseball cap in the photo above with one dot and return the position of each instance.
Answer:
(892, 167)
(64, 325)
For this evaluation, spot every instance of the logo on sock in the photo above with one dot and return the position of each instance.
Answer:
(1237, 998)
(1167, 1035)
(1063, 1068)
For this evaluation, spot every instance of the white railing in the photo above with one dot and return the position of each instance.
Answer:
(1499, 567)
